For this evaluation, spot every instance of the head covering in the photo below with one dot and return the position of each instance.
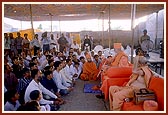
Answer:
(117, 45)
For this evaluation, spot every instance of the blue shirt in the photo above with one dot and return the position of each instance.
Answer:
(49, 84)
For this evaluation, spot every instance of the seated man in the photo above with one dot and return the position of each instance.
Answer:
(64, 88)
(139, 79)
(120, 59)
(104, 65)
(36, 85)
(90, 70)
(49, 84)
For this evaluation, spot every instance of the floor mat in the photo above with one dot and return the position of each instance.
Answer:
(88, 89)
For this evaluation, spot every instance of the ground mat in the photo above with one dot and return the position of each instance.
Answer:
(88, 88)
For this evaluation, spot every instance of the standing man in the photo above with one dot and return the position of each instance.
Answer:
(87, 41)
(69, 39)
(75, 46)
(7, 43)
(18, 41)
(25, 43)
(53, 43)
(144, 37)
(63, 43)
(13, 44)
(46, 42)
(36, 44)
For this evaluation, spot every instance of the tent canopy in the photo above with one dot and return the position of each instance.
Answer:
(77, 11)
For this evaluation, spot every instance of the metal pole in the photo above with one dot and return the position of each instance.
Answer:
(156, 31)
(31, 20)
(51, 24)
(162, 52)
(133, 12)
(21, 24)
(109, 28)
(102, 28)
(60, 26)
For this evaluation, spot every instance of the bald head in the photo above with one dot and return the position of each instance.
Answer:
(142, 60)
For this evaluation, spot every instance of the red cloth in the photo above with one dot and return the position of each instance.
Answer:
(111, 82)
(115, 76)
(157, 85)
(119, 72)
(130, 106)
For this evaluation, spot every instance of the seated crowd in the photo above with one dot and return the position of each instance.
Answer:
(36, 74)
(38, 81)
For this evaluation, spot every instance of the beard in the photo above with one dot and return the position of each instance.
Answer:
(39, 78)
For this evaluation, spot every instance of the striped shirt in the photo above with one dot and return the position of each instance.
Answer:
(23, 83)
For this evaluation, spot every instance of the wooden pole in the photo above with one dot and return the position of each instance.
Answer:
(156, 39)
(102, 28)
(109, 27)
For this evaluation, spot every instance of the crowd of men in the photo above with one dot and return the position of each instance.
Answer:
(38, 72)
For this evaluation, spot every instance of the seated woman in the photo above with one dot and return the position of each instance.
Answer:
(139, 79)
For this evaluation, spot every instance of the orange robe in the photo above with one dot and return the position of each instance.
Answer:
(117, 62)
(90, 71)
(117, 58)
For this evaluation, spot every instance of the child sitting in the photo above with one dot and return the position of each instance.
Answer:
(12, 103)
(36, 96)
